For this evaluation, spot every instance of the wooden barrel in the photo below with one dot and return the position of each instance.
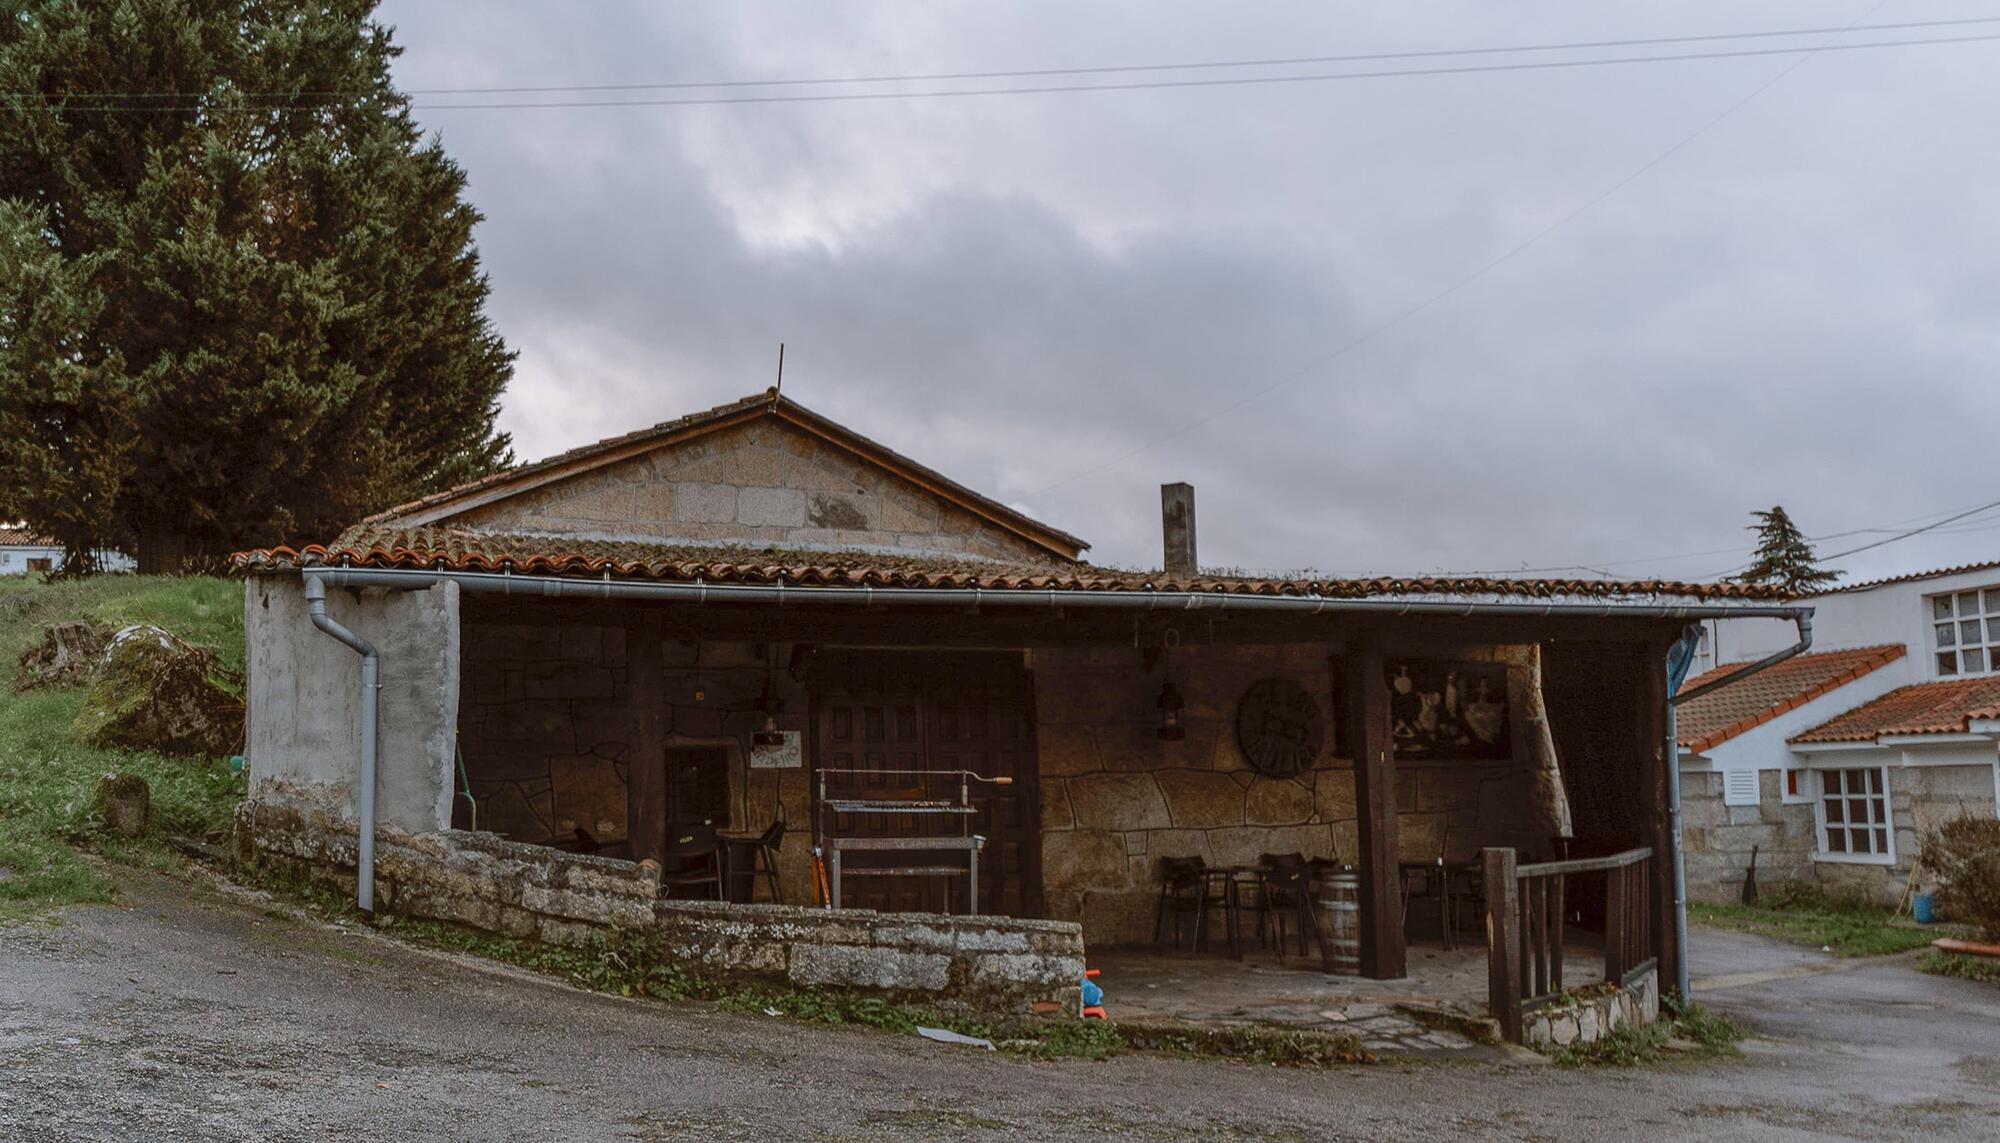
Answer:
(1339, 894)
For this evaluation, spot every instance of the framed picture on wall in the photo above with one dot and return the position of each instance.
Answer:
(1446, 709)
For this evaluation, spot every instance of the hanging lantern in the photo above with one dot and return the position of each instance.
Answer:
(1173, 724)
(1173, 711)
(767, 707)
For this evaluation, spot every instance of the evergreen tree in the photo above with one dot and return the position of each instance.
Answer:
(239, 299)
(1783, 556)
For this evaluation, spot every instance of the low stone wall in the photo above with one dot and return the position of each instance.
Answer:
(1594, 1014)
(544, 894)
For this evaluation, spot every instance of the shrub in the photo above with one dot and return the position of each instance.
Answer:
(1964, 855)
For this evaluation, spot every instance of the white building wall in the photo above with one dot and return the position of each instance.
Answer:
(1891, 613)
(14, 559)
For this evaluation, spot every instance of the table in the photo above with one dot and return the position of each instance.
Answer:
(1436, 877)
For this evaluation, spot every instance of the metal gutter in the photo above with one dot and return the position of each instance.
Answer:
(371, 691)
(1801, 617)
(568, 587)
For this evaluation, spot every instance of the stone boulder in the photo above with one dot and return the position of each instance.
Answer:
(156, 692)
(125, 802)
(66, 656)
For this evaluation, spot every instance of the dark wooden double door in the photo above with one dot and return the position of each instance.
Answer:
(898, 723)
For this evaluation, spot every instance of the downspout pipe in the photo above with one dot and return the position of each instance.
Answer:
(1679, 660)
(371, 692)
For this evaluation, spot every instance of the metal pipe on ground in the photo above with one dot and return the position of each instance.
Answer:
(371, 690)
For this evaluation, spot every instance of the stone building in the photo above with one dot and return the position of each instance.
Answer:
(755, 615)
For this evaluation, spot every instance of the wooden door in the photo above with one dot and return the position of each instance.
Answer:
(927, 715)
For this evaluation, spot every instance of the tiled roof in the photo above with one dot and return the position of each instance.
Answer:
(22, 536)
(1911, 577)
(767, 403)
(1709, 720)
(463, 550)
(1928, 708)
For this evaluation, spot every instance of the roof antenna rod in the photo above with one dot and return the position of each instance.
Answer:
(779, 388)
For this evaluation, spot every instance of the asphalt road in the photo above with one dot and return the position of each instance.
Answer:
(184, 1014)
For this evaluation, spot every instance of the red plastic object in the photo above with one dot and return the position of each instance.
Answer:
(1954, 945)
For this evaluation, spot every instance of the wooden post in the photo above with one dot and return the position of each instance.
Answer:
(1503, 943)
(646, 769)
(1383, 953)
(1617, 922)
(1654, 758)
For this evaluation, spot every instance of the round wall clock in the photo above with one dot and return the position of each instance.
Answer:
(1278, 727)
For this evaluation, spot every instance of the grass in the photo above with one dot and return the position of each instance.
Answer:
(48, 816)
(203, 610)
(1964, 966)
(1809, 917)
(1683, 1031)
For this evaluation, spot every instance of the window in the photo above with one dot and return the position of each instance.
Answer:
(1853, 816)
(1965, 632)
(39, 563)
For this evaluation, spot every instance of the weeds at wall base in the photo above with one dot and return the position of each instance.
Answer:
(1683, 1031)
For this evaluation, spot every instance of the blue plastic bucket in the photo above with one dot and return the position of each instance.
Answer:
(1920, 908)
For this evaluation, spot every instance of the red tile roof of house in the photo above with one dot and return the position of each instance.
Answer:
(1710, 720)
(1911, 577)
(1946, 707)
(374, 546)
(436, 508)
(22, 536)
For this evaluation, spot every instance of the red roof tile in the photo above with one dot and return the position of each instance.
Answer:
(463, 550)
(1709, 720)
(1928, 708)
(22, 536)
(1911, 577)
(423, 511)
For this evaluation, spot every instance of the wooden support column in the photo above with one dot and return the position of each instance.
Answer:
(1366, 689)
(1503, 942)
(1654, 758)
(646, 793)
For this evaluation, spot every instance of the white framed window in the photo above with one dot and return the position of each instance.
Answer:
(1853, 815)
(1795, 786)
(1965, 632)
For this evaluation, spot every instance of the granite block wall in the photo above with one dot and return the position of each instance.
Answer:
(763, 483)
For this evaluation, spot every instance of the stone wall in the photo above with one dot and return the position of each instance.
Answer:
(546, 723)
(1116, 799)
(1593, 1013)
(533, 892)
(762, 483)
(304, 699)
(1716, 839)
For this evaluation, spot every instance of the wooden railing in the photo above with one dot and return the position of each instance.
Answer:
(1526, 907)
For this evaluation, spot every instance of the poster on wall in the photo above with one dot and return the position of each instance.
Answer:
(783, 753)
(1446, 709)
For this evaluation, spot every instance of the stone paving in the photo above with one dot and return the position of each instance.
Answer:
(1212, 988)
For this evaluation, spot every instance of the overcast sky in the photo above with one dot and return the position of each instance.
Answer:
(1066, 299)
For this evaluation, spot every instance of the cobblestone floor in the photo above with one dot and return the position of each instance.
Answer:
(1213, 988)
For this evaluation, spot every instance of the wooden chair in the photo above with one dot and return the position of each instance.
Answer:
(1284, 889)
(1184, 893)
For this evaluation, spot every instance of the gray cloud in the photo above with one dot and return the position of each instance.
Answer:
(1794, 308)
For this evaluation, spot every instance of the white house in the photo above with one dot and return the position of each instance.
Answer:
(1832, 764)
(23, 551)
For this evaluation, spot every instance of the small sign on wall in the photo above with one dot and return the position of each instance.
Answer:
(782, 754)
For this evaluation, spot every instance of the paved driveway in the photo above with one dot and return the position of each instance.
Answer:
(182, 1015)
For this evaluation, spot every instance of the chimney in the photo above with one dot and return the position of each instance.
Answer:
(1177, 528)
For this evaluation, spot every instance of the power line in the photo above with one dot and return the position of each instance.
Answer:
(126, 103)
(1454, 287)
(1109, 69)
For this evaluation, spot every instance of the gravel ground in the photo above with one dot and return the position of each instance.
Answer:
(184, 1014)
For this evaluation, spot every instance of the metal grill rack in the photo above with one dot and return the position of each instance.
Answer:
(967, 842)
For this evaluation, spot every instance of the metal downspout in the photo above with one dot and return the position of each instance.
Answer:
(1678, 663)
(371, 690)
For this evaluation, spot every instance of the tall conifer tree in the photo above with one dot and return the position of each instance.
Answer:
(1784, 557)
(239, 298)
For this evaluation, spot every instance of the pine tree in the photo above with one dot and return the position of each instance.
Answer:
(239, 299)
(1783, 556)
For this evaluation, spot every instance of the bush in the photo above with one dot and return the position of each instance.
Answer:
(1964, 855)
